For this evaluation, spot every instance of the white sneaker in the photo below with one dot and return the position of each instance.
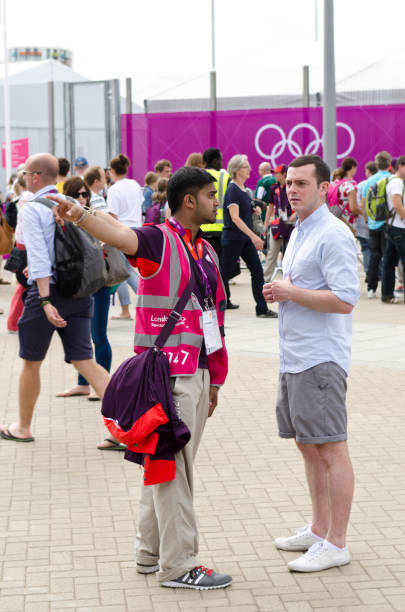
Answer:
(320, 556)
(302, 540)
(371, 294)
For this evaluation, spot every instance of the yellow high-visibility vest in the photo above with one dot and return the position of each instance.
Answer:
(221, 180)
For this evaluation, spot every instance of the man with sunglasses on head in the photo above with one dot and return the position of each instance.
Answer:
(44, 308)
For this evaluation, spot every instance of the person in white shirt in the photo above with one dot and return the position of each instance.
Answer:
(316, 297)
(395, 241)
(124, 202)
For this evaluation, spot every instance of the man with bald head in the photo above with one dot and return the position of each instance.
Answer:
(45, 310)
(262, 193)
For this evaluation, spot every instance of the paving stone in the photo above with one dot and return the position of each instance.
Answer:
(68, 512)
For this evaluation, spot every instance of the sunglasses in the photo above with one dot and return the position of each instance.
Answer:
(77, 194)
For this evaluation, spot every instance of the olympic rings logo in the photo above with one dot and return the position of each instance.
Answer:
(294, 147)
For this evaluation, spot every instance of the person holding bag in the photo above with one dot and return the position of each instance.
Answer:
(76, 188)
(46, 310)
(238, 237)
(168, 257)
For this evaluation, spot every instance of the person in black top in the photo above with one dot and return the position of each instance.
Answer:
(278, 208)
(238, 238)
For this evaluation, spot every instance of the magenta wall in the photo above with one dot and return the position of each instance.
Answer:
(276, 135)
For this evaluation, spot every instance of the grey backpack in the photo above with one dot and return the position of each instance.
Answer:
(80, 268)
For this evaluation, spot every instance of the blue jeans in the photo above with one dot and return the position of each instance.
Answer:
(123, 291)
(99, 331)
(365, 250)
(394, 251)
(231, 251)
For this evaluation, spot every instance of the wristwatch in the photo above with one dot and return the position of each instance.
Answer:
(45, 300)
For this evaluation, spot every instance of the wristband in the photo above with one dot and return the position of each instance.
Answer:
(82, 217)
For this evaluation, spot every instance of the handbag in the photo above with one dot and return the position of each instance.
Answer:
(117, 271)
(6, 236)
(17, 260)
(258, 226)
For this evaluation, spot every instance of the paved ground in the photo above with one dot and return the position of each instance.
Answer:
(68, 512)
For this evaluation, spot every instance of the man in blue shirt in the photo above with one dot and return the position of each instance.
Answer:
(375, 228)
(45, 310)
(316, 297)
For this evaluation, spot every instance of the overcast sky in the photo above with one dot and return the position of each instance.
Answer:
(158, 37)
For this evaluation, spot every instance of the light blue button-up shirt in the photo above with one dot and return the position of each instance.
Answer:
(38, 227)
(321, 254)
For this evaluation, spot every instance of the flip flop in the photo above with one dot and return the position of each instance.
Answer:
(68, 394)
(4, 282)
(7, 435)
(93, 398)
(116, 446)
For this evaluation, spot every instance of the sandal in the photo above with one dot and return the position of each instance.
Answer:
(115, 446)
(7, 435)
(68, 393)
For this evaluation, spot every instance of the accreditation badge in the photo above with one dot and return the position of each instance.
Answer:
(212, 336)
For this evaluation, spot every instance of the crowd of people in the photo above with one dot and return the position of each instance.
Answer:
(187, 231)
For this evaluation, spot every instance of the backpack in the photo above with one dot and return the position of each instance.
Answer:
(377, 208)
(154, 213)
(79, 260)
(332, 197)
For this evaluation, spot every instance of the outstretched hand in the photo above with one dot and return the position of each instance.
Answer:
(65, 210)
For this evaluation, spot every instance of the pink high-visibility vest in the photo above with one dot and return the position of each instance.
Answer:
(157, 296)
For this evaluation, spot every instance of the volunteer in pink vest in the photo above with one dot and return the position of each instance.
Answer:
(166, 256)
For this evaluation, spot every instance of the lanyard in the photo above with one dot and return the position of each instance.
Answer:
(196, 255)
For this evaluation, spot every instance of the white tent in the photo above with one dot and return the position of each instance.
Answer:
(380, 82)
(28, 73)
(31, 112)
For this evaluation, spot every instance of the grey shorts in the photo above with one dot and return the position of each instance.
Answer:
(311, 405)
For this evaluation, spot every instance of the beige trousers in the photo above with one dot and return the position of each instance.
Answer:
(274, 249)
(167, 529)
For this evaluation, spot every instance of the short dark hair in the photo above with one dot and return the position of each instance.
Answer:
(383, 160)
(371, 167)
(188, 180)
(400, 162)
(92, 175)
(211, 155)
(322, 170)
(64, 166)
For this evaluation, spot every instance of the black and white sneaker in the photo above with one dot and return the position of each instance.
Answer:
(147, 569)
(200, 578)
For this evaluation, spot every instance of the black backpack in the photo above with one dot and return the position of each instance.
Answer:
(79, 260)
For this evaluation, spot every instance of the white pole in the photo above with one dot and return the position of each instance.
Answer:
(329, 88)
(212, 34)
(213, 74)
(7, 138)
